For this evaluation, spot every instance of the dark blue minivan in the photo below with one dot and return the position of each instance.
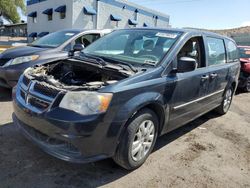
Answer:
(125, 90)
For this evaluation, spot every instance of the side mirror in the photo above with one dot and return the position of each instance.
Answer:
(186, 64)
(78, 47)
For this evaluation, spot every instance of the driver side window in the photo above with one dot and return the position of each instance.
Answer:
(194, 48)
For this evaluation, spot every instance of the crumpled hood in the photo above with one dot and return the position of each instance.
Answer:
(21, 51)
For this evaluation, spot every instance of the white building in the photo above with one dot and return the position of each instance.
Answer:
(45, 16)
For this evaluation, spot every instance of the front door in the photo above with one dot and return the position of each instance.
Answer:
(190, 87)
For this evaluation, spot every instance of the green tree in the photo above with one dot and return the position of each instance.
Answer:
(8, 9)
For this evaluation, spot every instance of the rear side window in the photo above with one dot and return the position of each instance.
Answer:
(232, 51)
(216, 51)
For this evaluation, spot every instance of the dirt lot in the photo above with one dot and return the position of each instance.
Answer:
(209, 152)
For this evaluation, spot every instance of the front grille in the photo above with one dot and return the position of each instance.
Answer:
(3, 61)
(26, 81)
(23, 95)
(35, 95)
(33, 101)
(45, 90)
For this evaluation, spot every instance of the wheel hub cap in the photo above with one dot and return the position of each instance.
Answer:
(143, 140)
(227, 99)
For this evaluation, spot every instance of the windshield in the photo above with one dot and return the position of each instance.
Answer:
(54, 40)
(244, 52)
(136, 47)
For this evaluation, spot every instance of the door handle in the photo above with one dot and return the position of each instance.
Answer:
(204, 77)
(213, 75)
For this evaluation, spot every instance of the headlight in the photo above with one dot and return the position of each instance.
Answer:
(86, 103)
(20, 60)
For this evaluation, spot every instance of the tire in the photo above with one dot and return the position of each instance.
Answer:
(247, 87)
(135, 137)
(226, 103)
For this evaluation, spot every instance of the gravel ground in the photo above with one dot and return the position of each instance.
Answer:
(211, 151)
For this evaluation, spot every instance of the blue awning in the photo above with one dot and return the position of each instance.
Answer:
(48, 11)
(114, 17)
(136, 10)
(43, 34)
(33, 35)
(61, 9)
(132, 22)
(145, 24)
(32, 14)
(89, 10)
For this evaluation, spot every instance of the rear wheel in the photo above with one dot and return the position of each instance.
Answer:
(247, 88)
(226, 103)
(138, 140)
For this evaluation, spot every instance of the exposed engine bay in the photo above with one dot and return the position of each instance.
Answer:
(74, 75)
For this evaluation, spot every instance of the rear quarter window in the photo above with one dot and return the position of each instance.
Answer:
(216, 51)
(232, 51)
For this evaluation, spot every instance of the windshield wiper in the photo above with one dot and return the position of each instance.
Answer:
(123, 64)
(149, 63)
(98, 60)
(104, 63)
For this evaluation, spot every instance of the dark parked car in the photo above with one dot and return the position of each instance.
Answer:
(245, 68)
(51, 47)
(124, 91)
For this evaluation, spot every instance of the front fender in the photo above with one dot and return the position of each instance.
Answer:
(131, 107)
(138, 102)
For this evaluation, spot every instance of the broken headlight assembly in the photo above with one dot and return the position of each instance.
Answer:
(86, 103)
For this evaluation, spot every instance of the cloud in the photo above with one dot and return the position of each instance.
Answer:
(244, 24)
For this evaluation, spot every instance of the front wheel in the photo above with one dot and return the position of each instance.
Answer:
(226, 103)
(138, 140)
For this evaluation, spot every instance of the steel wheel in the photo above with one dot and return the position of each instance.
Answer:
(227, 100)
(143, 140)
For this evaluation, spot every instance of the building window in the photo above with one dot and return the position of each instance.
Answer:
(62, 15)
(49, 13)
(33, 15)
(115, 18)
(50, 17)
(132, 22)
(136, 14)
(88, 10)
(34, 20)
(62, 11)
(33, 36)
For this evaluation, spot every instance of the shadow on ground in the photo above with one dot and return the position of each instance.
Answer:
(5, 94)
(24, 165)
(240, 91)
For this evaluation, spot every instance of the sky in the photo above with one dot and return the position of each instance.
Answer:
(209, 14)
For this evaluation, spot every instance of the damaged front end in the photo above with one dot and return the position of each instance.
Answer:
(75, 75)
(77, 83)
